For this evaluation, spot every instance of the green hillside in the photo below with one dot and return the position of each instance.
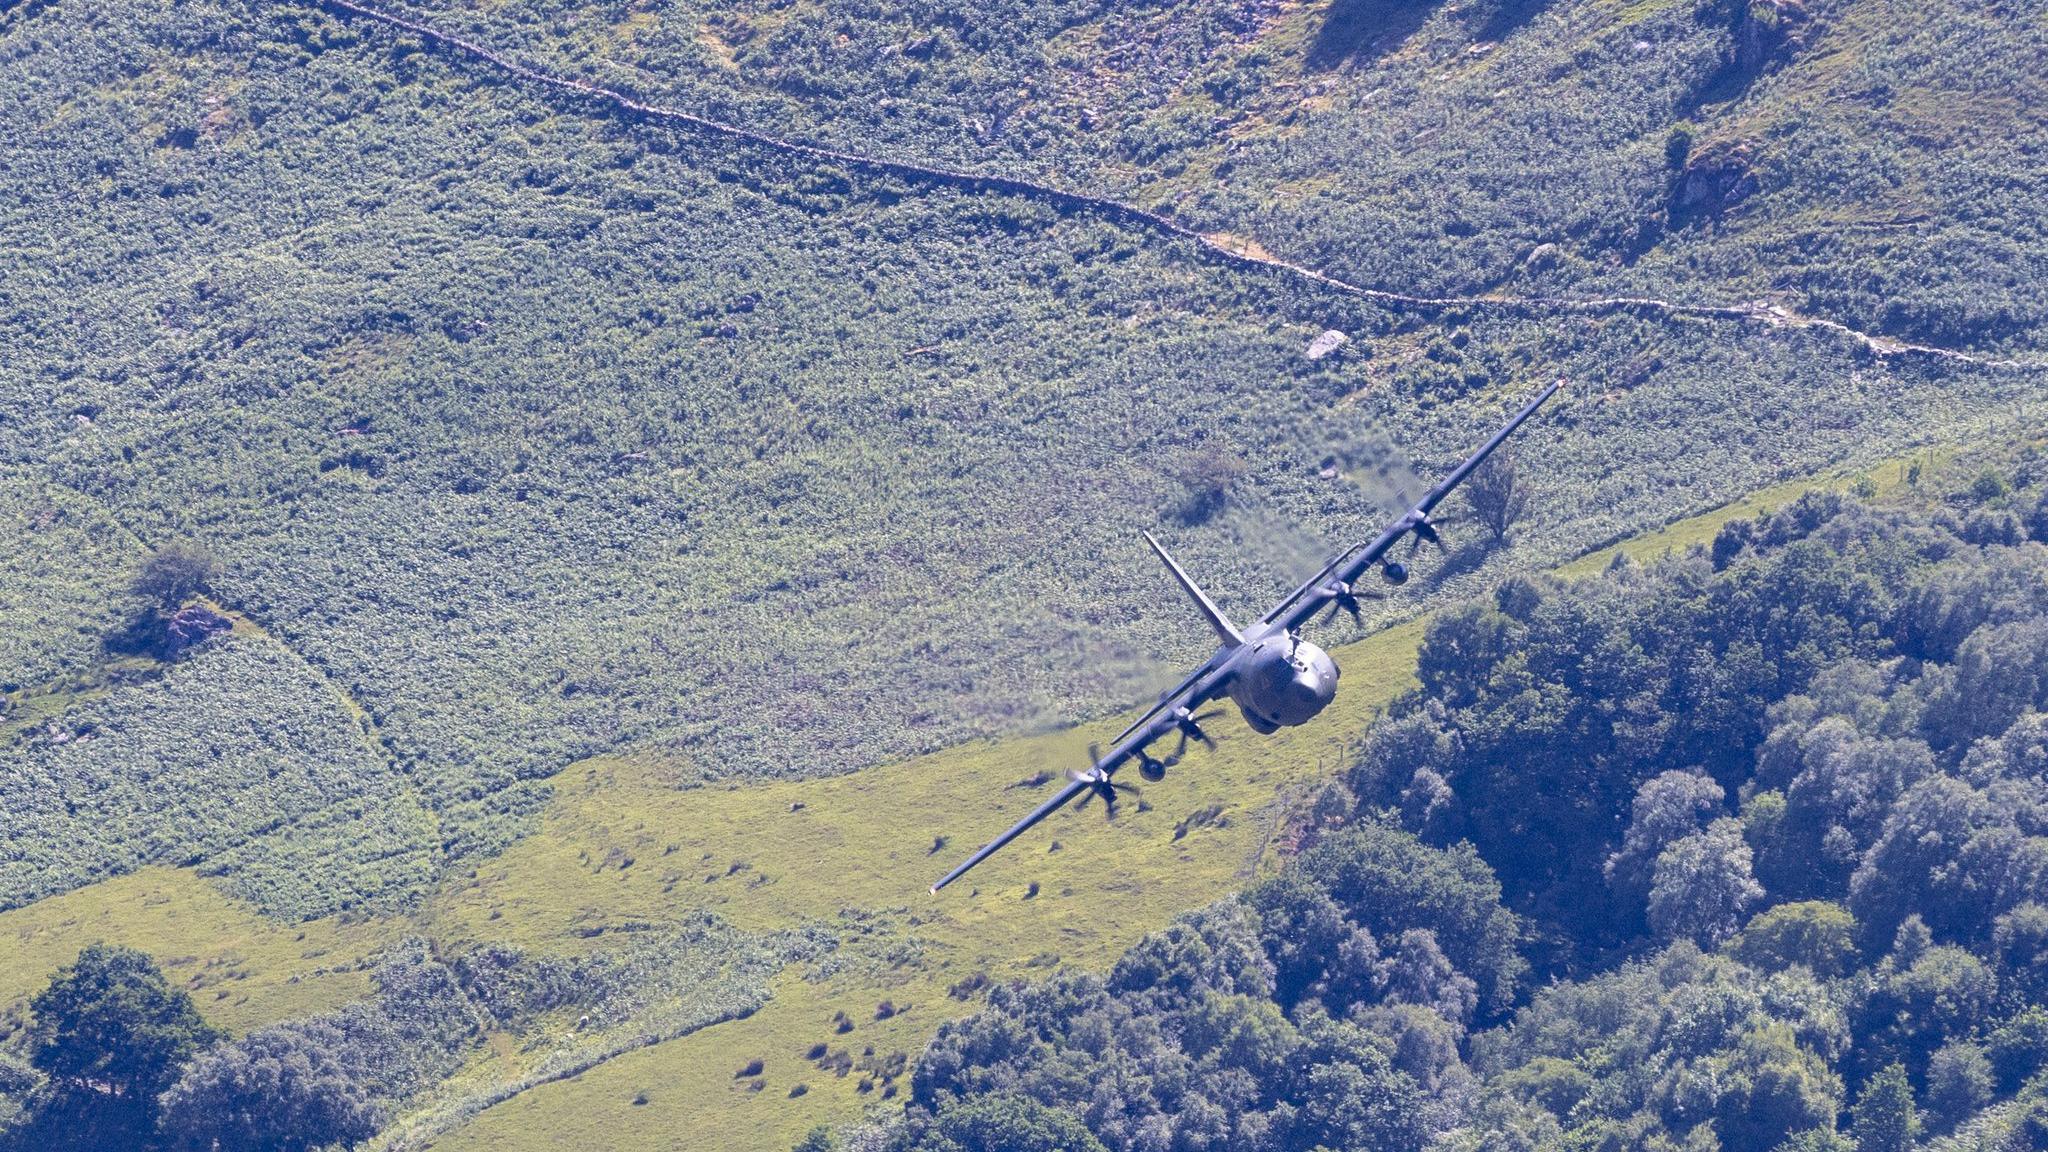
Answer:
(1864, 161)
(575, 483)
(620, 850)
(1744, 849)
(541, 433)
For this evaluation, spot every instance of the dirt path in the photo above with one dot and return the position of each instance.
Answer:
(1232, 250)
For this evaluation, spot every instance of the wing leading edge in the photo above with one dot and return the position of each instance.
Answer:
(1304, 602)
(1196, 690)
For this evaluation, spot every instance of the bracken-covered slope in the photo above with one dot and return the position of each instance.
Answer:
(533, 431)
(527, 429)
(1868, 161)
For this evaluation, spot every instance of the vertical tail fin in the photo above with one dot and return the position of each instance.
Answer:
(1210, 611)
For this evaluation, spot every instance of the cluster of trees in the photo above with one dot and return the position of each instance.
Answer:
(1765, 826)
(1325, 1009)
(114, 1057)
(118, 1058)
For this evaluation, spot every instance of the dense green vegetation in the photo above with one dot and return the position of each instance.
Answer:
(1763, 822)
(379, 438)
(1846, 158)
(555, 434)
(117, 1058)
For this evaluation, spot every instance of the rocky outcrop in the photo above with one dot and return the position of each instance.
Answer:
(1326, 343)
(190, 627)
(1713, 180)
(1766, 30)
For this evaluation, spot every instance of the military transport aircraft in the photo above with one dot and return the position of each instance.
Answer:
(1276, 679)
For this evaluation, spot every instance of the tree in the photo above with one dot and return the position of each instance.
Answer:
(1958, 1082)
(1005, 1124)
(2019, 1048)
(1351, 1096)
(174, 574)
(1416, 971)
(1884, 1119)
(111, 1021)
(2022, 940)
(277, 1090)
(1703, 885)
(110, 1034)
(1386, 881)
(1913, 1010)
(1814, 934)
(2001, 671)
(1668, 807)
(1949, 854)
(1496, 495)
(1769, 1088)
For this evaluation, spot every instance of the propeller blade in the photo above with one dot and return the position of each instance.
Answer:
(1425, 532)
(1191, 727)
(1342, 599)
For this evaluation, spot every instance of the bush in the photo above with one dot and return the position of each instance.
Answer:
(174, 574)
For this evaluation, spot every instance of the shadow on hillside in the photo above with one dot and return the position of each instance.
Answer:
(1361, 31)
(1496, 19)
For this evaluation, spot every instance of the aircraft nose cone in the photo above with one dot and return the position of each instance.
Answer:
(1310, 686)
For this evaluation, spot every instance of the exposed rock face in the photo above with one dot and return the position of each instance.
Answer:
(190, 627)
(1714, 179)
(1326, 343)
(1766, 29)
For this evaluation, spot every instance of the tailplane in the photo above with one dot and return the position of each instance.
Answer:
(1210, 611)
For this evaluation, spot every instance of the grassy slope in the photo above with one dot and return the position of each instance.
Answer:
(608, 439)
(477, 393)
(243, 968)
(855, 857)
(1415, 146)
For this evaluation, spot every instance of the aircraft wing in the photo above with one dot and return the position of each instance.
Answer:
(1202, 686)
(1207, 682)
(1304, 602)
